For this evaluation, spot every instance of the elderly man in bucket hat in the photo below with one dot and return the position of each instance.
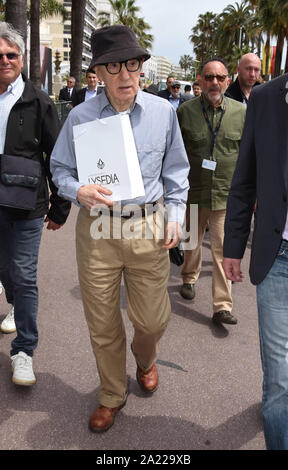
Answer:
(143, 262)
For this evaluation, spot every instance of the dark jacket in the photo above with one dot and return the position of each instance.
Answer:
(234, 91)
(166, 94)
(261, 174)
(64, 94)
(32, 129)
(79, 95)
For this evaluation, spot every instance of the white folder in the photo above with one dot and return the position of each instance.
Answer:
(106, 154)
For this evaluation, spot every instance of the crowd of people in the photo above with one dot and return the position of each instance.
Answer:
(219, 149)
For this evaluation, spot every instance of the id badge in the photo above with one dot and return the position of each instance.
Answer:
(209, 164)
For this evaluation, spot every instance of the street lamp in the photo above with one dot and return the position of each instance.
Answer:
(57, 61)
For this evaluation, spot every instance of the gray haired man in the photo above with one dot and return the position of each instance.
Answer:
(28, 128)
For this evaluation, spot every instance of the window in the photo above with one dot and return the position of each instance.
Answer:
(67, 28)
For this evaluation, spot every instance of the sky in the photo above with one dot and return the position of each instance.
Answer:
(172, 21)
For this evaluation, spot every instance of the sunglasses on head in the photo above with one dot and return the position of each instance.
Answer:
(10, 56)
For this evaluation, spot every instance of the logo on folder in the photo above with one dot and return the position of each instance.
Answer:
(100, 164)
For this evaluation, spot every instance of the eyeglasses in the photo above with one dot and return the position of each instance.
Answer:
(176, 86)
(131, 65)
(219, 78)
(10, 56)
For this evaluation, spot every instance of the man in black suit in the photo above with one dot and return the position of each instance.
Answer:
(167, 92)
(262, 174)
(67, 93)
(88, 92)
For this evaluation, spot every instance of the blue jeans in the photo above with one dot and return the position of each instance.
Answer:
(272, 299)
(19, 248)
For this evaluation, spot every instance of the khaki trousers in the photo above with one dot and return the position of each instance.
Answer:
(221, 287)
(145, 267)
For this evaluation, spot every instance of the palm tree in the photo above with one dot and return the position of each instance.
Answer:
(203, 36)
(35, 76)
(40, 9)
(77, 28)
(125, 12)
(281, 6)
(233, 27)
(52, 7)
(186, 63)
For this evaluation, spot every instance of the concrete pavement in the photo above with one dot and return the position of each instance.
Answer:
(210, 377)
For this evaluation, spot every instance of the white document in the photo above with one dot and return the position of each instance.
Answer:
(106, 154)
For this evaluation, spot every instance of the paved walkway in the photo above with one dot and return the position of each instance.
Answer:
(210, 377)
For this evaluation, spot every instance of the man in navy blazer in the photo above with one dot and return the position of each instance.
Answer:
(261, 175)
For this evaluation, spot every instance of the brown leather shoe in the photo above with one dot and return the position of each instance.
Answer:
(148, 380)
(103, 418)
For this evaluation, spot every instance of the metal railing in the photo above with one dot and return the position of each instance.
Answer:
(63, 109)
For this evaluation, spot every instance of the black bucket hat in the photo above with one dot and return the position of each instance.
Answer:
(116, 43)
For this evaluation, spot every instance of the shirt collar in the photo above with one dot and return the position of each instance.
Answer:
(207, 104)
(14, 86)
(104, 102)
(91, 92)
(171, 97)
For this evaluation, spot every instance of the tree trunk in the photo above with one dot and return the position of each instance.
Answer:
(77, 27)
(279, 50)
(35, 75)
(267, 52)
(16, 15)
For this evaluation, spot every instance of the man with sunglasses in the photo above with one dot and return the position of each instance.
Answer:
(68, 92)
(211, 126)
(28, 129)
(144, 263)
(176, 97)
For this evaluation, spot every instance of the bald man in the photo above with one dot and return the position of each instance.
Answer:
(248, 75)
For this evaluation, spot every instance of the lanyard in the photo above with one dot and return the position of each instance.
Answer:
(215, 132)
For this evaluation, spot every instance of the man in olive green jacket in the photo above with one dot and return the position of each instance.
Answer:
(211, 127)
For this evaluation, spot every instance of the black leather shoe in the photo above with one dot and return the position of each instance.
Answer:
(224, 317)
(187, 291)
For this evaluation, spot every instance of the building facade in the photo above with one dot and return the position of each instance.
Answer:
(57, 35)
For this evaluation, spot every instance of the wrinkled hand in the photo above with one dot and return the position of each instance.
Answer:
(232, 269)
(52, 225)
(91, 194)
(172, 235)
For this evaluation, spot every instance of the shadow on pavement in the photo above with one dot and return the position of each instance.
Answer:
(66, 413)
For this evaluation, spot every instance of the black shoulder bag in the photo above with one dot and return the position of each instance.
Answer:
(19, 180)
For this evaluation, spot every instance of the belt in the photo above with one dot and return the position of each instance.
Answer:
(129, 214)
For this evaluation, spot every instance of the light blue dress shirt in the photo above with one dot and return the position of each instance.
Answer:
(90, 94)
(174, 101)
(162, 157)
(7, 101)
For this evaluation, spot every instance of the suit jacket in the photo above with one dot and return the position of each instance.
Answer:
(64, 94)
(261, 174)
(79, 95)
